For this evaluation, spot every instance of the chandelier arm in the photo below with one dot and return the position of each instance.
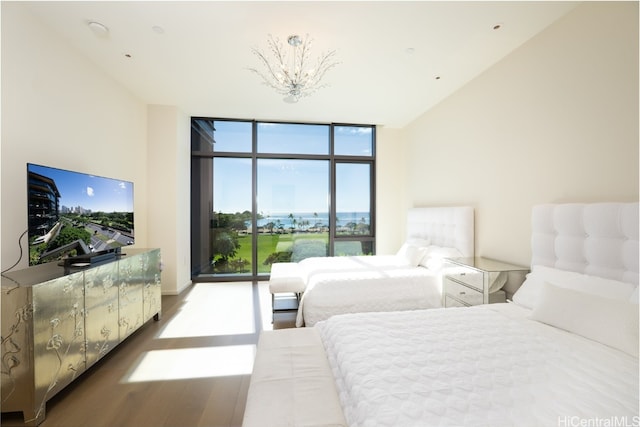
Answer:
(304, 53)
(271, 77)
(280, 54)
(265, 78)
(276, 51)
(323, 65)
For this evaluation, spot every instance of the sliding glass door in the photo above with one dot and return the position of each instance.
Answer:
(232, 246)
(293, 205)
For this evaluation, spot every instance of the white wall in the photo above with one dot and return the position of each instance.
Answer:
(555, 121)
(59, 109)
(169, 157)
(391, 205)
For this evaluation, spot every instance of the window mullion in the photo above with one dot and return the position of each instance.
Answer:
(254, 199)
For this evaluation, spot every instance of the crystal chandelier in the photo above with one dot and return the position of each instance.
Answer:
(291, 75)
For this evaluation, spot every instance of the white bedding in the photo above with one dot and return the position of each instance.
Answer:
(337, 285)
(492, 365)
(478, 366)
(405, 281)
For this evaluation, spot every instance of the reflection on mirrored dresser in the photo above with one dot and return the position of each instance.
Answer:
(56, 325)
(474, 281)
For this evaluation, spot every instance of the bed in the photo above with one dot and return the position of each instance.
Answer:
(564, 352)
(408, 280)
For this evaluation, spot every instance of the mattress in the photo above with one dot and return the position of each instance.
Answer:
(337, 285)
(477, 366)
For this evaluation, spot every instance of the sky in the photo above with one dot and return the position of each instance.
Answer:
(89, 191)
(290, 185)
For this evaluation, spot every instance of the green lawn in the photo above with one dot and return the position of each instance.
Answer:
(268, 244)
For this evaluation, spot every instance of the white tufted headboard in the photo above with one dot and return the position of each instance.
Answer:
(599, 239)
(451, 227)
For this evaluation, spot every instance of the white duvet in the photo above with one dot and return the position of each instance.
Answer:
(479, 366)
(354, 284)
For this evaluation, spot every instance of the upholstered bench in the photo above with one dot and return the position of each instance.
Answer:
(292, 383)
(286, 278)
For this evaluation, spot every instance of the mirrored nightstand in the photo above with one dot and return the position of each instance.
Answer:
(474, 281)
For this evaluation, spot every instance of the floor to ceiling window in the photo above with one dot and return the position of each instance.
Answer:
(265, 192)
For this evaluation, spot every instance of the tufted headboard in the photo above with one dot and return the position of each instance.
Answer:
(599, 239)
(450, 227)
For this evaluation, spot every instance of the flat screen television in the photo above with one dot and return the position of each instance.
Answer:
(74, 215)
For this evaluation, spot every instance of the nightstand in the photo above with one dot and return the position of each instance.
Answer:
(474, 281)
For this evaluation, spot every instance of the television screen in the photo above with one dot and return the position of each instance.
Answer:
(73, 214)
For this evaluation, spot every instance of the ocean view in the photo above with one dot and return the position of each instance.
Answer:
(311, 219)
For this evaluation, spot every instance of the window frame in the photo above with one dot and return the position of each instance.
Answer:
(254, 155)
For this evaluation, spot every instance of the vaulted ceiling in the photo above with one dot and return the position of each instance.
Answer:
(397, 59)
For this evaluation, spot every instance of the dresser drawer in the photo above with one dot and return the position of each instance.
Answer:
(469, 276)
(452, 302)
(461, 292)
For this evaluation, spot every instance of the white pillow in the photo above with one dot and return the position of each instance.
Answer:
(612, 322)
(435, 255)
(527, 295)
(411, 254)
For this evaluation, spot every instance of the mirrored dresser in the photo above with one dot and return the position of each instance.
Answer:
(57, 323)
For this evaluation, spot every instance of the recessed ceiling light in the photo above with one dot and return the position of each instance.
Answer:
(98, 29)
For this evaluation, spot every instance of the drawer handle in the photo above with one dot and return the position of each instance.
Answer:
(463, 293)
(463, 274)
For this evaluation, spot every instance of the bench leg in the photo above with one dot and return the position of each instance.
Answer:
(298, 296)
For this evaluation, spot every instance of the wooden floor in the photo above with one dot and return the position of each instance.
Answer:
(190, 368)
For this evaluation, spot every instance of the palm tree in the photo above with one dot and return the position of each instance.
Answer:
(293, 222)
(269, 226)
